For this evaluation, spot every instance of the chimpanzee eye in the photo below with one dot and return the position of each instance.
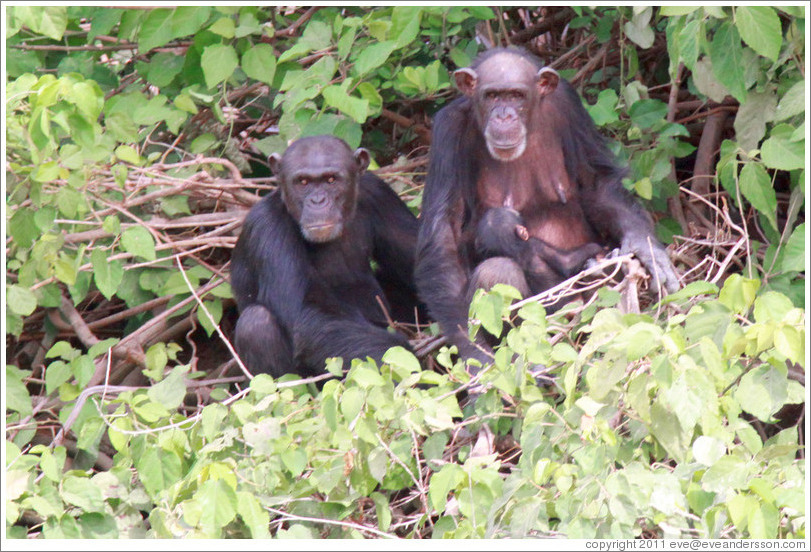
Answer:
(490, 95)
(331, 179)
(302, 181)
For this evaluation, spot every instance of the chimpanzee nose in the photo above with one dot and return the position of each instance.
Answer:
(318, 200)
(503, 115)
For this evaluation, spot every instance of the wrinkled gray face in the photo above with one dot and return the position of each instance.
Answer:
(319, 181)
(504, 89)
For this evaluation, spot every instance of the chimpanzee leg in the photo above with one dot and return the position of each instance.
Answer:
(498, 270)
(262, 344)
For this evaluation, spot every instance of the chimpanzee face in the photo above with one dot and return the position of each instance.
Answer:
(504, 89)
(318, 176)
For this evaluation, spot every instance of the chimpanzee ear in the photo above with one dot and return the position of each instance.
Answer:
(547, 81)
(275, 162)
(362, 158)
(466, 79)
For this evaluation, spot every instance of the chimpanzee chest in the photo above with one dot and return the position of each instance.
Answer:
(343, 265)
(544, 195)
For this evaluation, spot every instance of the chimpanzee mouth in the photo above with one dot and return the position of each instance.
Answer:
(320, 233)
(506, 151)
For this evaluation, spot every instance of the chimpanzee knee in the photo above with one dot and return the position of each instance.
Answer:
(498, 270)
(262, 344)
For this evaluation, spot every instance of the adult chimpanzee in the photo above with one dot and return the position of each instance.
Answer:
(501, 232)
(301, 269)
(518, 138)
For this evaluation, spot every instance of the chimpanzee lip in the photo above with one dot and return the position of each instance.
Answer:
(506, 145)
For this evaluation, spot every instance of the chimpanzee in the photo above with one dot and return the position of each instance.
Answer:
(501, 232)
(518, 138)
(301, 270)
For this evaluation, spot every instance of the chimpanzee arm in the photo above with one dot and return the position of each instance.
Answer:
(268, 265)
(442, 278)
(609, 208)
(393, 230)
(621, 217)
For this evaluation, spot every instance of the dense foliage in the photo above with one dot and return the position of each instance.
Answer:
(135, 142)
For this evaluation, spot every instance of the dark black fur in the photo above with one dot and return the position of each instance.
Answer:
(451, 210)
(303, 302)
(501, 233)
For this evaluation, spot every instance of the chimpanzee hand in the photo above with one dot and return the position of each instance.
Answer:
(654, 257)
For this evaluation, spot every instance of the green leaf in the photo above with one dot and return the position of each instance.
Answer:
(224, 26)
(605, 110)
(218, 62)
(689, 42)
(383, 511)
(705, 81)
(170, 391)
(667, 430)
(158, 469)
(212, 418)
(646, 113)
(760, 28)
(368, 92)
(726, 52)
(56, 374)
(730, 472)
(259, 63)
(771, 306)
(352, 402)
(756, 187)
(738, 293)
(335, 366)
(763, 521)
(23, 228)
(365, 377)
(487, 309)
(128, 155)
(16, 395)
(51, 21)
(794, 251)
(218, 504)
(708, 450)
(739, 506)
(402, 361)
(372, 57)
(81, 492)
(188, 20)
(214, 308)
(790, 342)
(21, 300)
(138, 241)
(253, 514)
(107, 274)
(762, 392)
(779, 151)
(405, 24)
(156, 360)
(443, 482)
(638, 29)
(673, 11)
(186, 103)
(792, 103)
(295, 460)
(750, 121)
(337, 97)
(156, 30)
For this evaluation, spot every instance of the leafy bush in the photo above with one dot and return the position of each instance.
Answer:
(129, 140)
